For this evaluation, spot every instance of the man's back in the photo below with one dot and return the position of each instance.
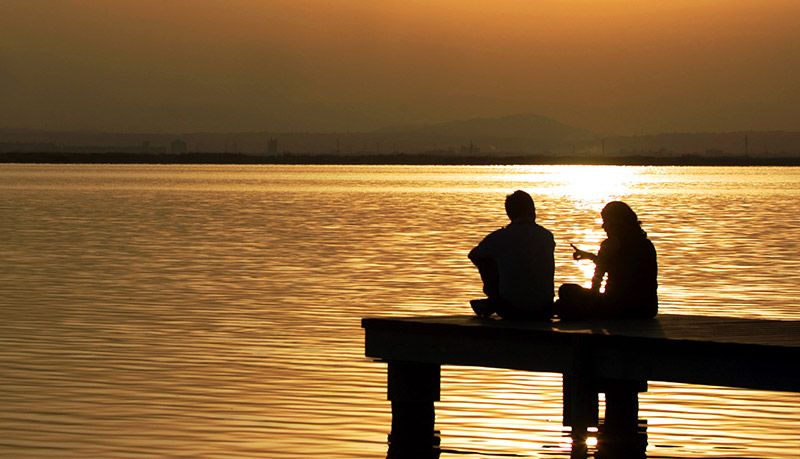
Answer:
(523, 253)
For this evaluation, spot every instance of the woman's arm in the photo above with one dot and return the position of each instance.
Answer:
(597, 279)
(601, 262)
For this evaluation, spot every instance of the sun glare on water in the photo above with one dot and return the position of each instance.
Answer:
(593, 185)
(587, 186)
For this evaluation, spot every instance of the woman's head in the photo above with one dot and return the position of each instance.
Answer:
(619, 219)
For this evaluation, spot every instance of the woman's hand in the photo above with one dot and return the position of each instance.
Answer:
(582, 254)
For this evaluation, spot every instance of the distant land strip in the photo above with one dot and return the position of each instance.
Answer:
(395, 159)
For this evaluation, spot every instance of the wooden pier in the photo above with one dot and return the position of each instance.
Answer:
(615, 357)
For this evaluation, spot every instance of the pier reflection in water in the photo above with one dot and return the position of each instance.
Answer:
(610, 442)
(602, 442)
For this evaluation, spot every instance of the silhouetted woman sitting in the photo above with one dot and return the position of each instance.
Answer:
(629, 260)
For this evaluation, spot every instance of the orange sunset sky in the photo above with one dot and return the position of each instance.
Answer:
(615, 66)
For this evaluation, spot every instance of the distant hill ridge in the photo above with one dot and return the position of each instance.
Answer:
(519, 126)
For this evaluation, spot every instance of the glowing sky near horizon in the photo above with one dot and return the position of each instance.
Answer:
(634, 66)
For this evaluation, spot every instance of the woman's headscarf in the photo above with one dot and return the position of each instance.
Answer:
(624, 217)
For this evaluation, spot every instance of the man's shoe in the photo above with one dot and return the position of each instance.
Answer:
(483, 307)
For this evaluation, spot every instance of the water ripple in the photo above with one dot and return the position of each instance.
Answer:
(213, 311)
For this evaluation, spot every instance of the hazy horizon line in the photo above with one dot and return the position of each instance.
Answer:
(388, 129)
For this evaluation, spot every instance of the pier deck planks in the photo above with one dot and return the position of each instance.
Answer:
(724, 351)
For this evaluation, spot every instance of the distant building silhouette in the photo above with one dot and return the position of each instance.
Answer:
(177, 147)
(272, 146)
(470, 149)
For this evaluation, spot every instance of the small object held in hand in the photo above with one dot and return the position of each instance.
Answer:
(578, 254)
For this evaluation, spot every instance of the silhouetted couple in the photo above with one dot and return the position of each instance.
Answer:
(516, 264)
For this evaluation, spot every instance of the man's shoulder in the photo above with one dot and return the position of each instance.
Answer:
(498, 232)
(494, 236)
(543, 232)
(519, 233)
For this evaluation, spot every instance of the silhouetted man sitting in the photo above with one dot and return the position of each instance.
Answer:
(516, 265)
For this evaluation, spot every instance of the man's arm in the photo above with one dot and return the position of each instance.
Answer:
(490, 275)
(483, 257)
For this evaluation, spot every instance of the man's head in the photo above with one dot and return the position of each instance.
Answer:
(519, 206)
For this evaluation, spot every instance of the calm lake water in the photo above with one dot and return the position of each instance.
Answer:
(213, 311)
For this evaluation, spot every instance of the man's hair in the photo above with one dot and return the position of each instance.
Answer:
(519, 205)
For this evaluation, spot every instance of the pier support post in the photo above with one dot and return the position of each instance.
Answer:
(621, 435)
(412, 389)
(580, 408)
(580, 391)
(580, 402)
(622, 404)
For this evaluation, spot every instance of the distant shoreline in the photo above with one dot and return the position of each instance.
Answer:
(395, 159)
